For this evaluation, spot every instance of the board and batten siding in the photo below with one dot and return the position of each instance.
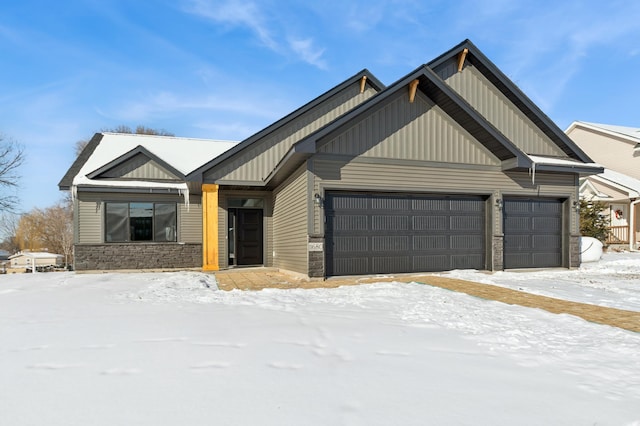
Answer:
(256, 162)
(290, 207)
(140, 167)
(378, 176)
(89, 223)
(476, 89)
(410, 131)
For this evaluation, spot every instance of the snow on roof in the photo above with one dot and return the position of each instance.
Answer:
(537, 159)
(36, 255)
(183, 154)
(628, 182)
(629, 132)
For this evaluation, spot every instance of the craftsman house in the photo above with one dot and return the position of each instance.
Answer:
(451, 166)
(617, 148)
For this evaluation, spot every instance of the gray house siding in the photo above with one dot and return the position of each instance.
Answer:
(476, 89)
(291, 202)
(92, 253)
(410, 131)
(255, 163)
(139, 167)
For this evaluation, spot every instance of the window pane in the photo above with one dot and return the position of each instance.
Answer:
(116, 222)
(165, 222)
(141, 221)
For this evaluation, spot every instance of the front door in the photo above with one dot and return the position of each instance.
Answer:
(249, 237)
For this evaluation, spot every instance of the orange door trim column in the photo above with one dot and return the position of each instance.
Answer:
(210, 227)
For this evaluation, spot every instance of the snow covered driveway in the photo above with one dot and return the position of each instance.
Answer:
(169, 349)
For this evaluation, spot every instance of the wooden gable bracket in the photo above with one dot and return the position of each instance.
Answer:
(363, 82)
(461, 57)
(413, 86)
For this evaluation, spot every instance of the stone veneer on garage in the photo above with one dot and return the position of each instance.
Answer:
(137, 256)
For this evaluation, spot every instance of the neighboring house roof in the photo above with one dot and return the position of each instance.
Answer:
(620, 181)
(36, 255)
(632, 134)
(179, 156)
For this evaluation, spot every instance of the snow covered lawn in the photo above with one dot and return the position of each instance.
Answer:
(170, 349)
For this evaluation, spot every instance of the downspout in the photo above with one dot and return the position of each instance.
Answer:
(632, 224)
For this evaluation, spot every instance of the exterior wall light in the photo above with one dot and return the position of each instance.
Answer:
(317, 200)
(576, 205)
(499, 203)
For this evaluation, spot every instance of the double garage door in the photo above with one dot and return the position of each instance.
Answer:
(393, 233)
(368, 233)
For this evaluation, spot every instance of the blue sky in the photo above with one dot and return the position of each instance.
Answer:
(224, 69)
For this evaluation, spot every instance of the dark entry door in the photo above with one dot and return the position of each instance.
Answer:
(532, 233)
(370, 233)
(249, 240)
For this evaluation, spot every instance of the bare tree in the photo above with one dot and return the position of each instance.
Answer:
(8, 232)
(139, 130)
(11, 158)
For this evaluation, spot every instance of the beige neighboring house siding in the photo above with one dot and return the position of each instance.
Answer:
(476, 89)
(610, 151)
(614, 193)
(257, 161)
(290, 215)
(89, 220)
(410, 131)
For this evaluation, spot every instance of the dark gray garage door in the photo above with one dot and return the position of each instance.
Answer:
(532, 233)
(390, 233)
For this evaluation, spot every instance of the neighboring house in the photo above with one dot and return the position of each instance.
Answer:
(617, 148)
(26, 259)
(621, 194)
(451, 166)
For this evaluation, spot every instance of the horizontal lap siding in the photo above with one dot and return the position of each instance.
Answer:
(371, 176)
(290, 223)
(90, 226)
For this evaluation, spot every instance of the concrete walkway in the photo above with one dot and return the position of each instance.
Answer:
(261, 278)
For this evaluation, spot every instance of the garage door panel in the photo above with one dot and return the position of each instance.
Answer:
(351, 244)
(390, 243)
(430, 242)
(438, 262)
(389, 223)
(466, 242)
(465, 261)
(532, 233)
(405, 233)
(430, 223)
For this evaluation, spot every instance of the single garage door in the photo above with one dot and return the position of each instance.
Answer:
(370, 233)
(532, 233)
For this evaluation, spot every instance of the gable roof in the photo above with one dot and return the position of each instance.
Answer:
(631, 134)
(621, 181)
(457, 108)
(514, 94)
(106, 150)
(371, 80)
(139, 150)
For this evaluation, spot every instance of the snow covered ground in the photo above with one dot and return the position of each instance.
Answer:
(170, 349)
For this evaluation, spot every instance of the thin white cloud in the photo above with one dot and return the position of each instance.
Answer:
(306, 50)
(264, 25)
